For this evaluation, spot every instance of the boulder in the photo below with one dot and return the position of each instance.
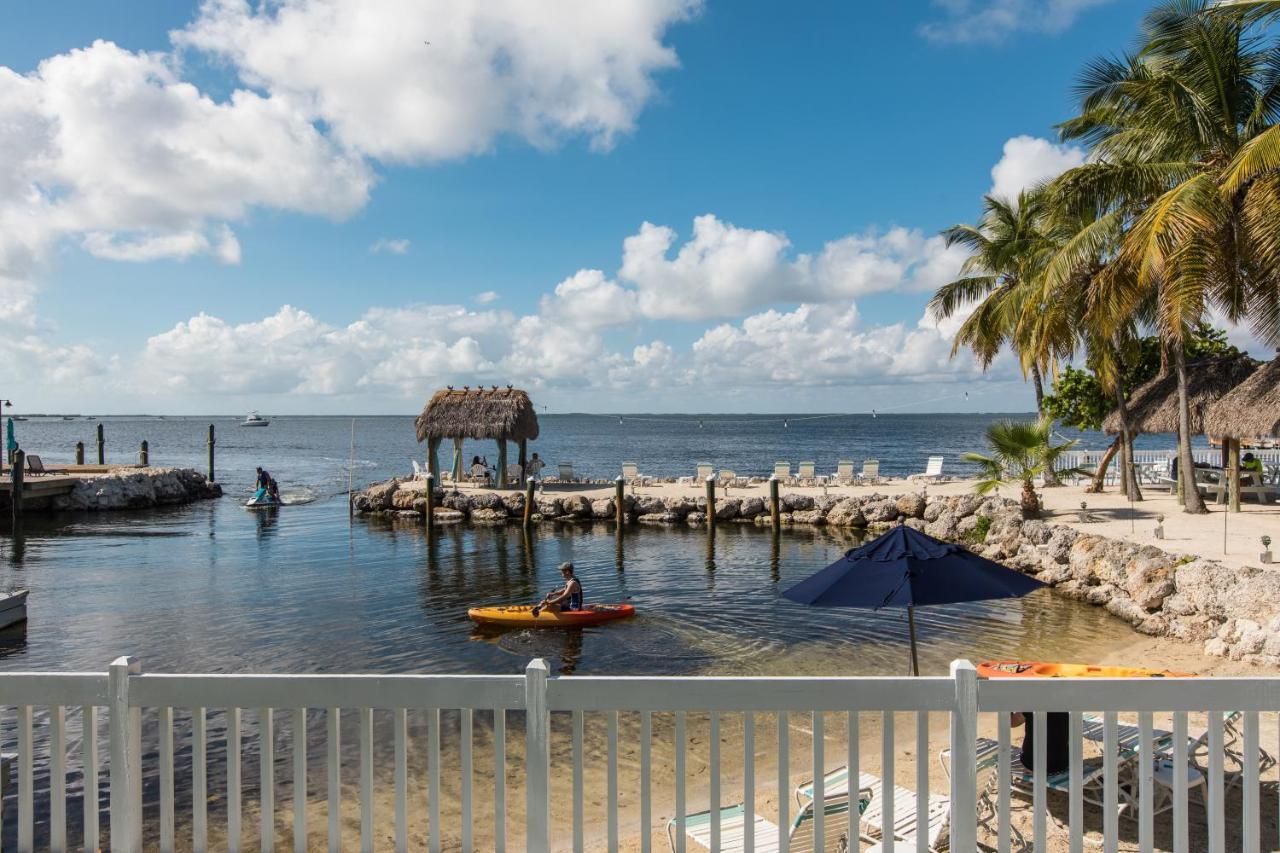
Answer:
(602, 508)
(1036, 532)
(911, 505)
(514, 502)
(880, 510)
(404, 498)
(458, 501)
(751, 507)
(1060, 541)
(847, 513)
(550, 507)
(944, 527)
(934, 508)
(444, 515)
(967, 505)
(916, 524)
(793, 502)
(380, 495)
(649, 505)
(694, 519)
(577, 506)
(728, 508)
(825, 502)
(489, 516)
(1209, 588)
(808, 516)
(486, 500)
(1149, 577)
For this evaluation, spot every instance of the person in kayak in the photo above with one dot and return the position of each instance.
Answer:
(563, 600)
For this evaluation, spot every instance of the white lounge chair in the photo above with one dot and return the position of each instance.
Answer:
(513, 473)
(932, 470)
(565, 474)
(705, 470)
(807, 474)
(419, 473)
(870, 472)
(844, 475)
(727, 478)
(733, 824)
(632, 477)
(937, 821)
(782, 470)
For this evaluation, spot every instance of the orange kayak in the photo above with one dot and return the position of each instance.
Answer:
(1040, 669)
(521, 616)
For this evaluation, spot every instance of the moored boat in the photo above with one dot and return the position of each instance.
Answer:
(255, 420)
(13, 607)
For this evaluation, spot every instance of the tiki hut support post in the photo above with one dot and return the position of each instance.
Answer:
(1233, 473)
(1250, 410)
(457, 462)
(433, 458)
(524, 462)
(502, 463)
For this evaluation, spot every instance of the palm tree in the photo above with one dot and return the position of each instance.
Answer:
(1186, 153)
(1020, 452)
(1008, 248)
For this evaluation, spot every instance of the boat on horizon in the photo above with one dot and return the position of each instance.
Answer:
(255, 420)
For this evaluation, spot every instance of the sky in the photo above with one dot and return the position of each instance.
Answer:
(331, 206)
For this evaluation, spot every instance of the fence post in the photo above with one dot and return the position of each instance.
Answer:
(125, 770)
(537, 758)
(964, 758)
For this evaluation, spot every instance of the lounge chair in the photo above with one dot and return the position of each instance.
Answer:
(705, 470)
(727, 478)
(870, 472)
(932, 470)
(697, 827)
(565, 474)
(806, 474)
(632, 477)
(36, 466)
(835, 787)
(419, 472)
(782, 470)
(844, 475)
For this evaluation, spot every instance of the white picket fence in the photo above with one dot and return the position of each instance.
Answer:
(1090, 459)
(158, 734)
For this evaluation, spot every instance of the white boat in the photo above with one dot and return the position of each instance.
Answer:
(265, 503)
(13, 607)
(255, 420)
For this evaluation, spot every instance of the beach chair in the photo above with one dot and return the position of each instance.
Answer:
(782, 470)
(807, 474)
(727, 478)
(844, 475)
(932, 470)
(35, 465)
(765, 833)
(513, 473)
(419, 472)
(835, 786)
(870, 474)
(631, 475)
(565, 474)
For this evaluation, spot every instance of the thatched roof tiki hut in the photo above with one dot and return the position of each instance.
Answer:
(1154, 407)
(497, 414)
(1250, 410)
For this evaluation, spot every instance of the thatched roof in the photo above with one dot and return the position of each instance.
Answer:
(1251, 409)
(1154, 406)
(494, 413)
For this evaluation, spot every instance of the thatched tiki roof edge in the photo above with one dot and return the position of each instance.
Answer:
(1154, 406)
(1251, 409)
(481, 413)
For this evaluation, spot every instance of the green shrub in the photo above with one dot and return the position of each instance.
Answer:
(979, 531)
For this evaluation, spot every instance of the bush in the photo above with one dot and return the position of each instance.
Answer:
(982, 524)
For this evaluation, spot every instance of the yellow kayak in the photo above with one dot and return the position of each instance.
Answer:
(521, 616)
(1040, 669)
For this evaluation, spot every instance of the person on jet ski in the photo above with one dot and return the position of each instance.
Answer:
(273, 491)
(263, 484)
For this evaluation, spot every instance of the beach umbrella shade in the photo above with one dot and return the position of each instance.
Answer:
(906, 568)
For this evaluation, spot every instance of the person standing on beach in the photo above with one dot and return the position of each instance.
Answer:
(535, 468)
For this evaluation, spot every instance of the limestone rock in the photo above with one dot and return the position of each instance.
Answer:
(577, 506)
(728, 508)
(550, 507)
(911, 505)
(808, 516)
(602, 508)
(751, 507)
(1149, 577)
(847, 513)
(694, 519)
(659, 518)
(486, 500)
(881, 509)
(444, 515)
(793, 502)
(489, 516)
(1060, 541)
(944, 527)
(380, 495)
(404, 498)
(933, 509)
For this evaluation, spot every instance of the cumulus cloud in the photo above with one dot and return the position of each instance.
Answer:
(967, 21)
(410, 81)
(178, 245)
(1029, 160)
(398, 246)
(487, 296)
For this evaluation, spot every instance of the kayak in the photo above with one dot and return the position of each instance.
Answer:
(1040, 669)
(521, 616)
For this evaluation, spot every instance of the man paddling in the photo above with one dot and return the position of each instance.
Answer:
(566, 599)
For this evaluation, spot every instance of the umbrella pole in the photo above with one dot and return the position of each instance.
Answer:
(911, 626)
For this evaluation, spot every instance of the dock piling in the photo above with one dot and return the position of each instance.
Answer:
(431, 504)
(102, 446)
(619, 500)
(528, 502)
(79, 452)
(211, 477)
(15, 494)
(711, 504)
(144, 454)
(773, 501)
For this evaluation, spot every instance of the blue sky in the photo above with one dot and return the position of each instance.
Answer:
(233, 209)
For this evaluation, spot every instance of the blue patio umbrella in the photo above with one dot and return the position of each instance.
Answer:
(906, 568)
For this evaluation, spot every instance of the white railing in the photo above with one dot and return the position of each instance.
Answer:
(583, 774)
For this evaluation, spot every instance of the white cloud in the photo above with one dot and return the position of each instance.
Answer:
(1029, 160)
(487, 297)
(398, 246)
(965, 21)
(590, 300)
(536, 70)
(178, 245)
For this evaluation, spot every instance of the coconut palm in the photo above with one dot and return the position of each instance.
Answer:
(1186, 154)
(1020, 452)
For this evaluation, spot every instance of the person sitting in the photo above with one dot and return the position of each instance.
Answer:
(563, 600)
(1251, 463)
(1057, 740)
(479, 471)
(273, 491)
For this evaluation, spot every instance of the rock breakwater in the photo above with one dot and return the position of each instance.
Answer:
(137, 489)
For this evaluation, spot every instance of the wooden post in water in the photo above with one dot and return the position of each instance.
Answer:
(102, 447)
(528, 503)
(620, 500)
(211, 442)
(433, 457)
(144, 454)
(431, 503)
(79, 452)
(502, 463)
(15, 492)
(711, 504)
(524, 461)
(773, 501)
(1233, 473)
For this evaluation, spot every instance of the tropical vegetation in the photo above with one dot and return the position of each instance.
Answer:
(1021, 451)
(1174, 218)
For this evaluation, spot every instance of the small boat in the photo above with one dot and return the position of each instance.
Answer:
(13, 607)
(521, 616)
(265, 502)
(255, 420)
(1041, 669)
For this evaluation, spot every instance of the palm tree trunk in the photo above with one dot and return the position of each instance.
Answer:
(1129, 476)
(1100, 476)
(1050, 476)
(1186, 464)
(1030, 501)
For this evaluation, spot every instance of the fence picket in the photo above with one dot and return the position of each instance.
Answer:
(577, 782)
(1040, 742)
(749, 782)
(333, 737)
(199, 781)
(1180, 833)
(784, 780)
(922, 782)
(1252, 826)
(889, 821)
(89, 743)
(165, 721)
(299, 780)
(646, 806)
(1003, 829)
(1217, 825)
(1075, 808)
(433, 780)
(854, 823)
(680, 773)
(401, 736)
(1146, 783)
(465, 738)
(267, 778)
(612, 782)
(1110, 784)
(366, 779)
(713, 771)
(26, 798)
(233, 780)
(57, 779)
(499, 780)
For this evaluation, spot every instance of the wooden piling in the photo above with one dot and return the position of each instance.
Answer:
(79, 452)
(711, 504)
(524, 461)
(15, 493)
(211, 442)
(502, 463)
(144, 454)
(620, 501)
(774, 510)
(528, 503)
(1233, 473)
(102, 446)
(431, 504)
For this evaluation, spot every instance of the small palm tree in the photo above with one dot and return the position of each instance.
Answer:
(1020, 452)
